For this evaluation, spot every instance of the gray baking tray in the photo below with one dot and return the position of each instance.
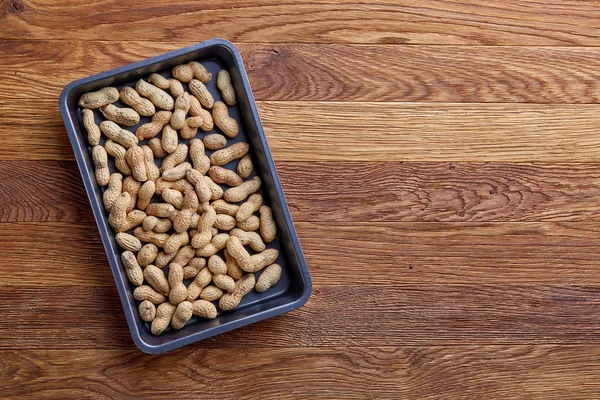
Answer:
(294, 287)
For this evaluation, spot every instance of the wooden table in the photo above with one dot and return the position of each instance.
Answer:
(440, 159)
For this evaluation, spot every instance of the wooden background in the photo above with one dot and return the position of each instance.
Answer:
(440, 160)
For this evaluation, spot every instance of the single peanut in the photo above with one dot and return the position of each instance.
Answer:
(204, 309)
(202, 280)
(225, 222)
(226, 87)
(244, 167)
(159, 225)
(173, 197)
(182, 314)
(239, 193)
(217, 243)
(196, 110)
(128, 242)
(184, 255)
(193, 267)
(233, 269)
(250, 238)
(216, 265)
(151, 168)
(91, 128)
(200, 185)
(115, 186)
(131, 186)
(243, 286)
(223, 121)
(211, 293)
(181, 185)
(132, 98)
(175, 241)
(118, 134)
(147, 311)
(157, 96)
(268, 229)
(223, 207)
(136, 159)
(224, 282)
(200, 71)
(200, 160)
(216, 192)
(100, 159)
(173, 85)
(201, 92)
(214, 141)
(183, 219)
(155, 238)
(145, 292)
(132, 268)
(226, 176)
(118, 212)
(182, 106)
(152, 128)
(124, 116)
(162, 210)
(249, 225)
(191, 70)
(249, 207)
(156, 146)
(194, 222)
(178, 291)
(162, 259)
(157, 279)
(147, 254)
(268, 278)
(170, 139)
(118, 152)
(175, 158)
(261, 260)
(236, 249)
(190, 127)
(145, 194)
(233, 152)
(164, 312)
(99, 98)
(176, 173)
(204, 235)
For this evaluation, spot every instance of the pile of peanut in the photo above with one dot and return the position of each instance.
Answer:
(180, 218)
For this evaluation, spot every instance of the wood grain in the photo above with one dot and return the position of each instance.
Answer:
(337, 254)
(540, 371)
(329, 131)
(443, 22)
(82, 317)
(332, 72)
(407, 192)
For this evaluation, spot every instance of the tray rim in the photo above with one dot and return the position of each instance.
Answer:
(106, 233)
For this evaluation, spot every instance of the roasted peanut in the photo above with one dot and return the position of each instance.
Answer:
(216, 192)
(226, 176)
(91, 128)
(233, 269)
(223, 207)
(157, 279)
(147, 311)
(175, 158)
(202, 280)
(162, 259)
(216, 265)
(173, 197)
(157, 96)
(100, 159)
(225, 222)
(249, 225)
(175, 241)
(159, 225)
(147, 254)
(184, 255)
(178, 291)
(161, 321)
(224, 282)
(181, 185)
(183, 219)
(243, 286)
(118, 152)
(124, 116)
(226, 87)
(193, 267)
(145, 194)
(211, 293)
(151, 168)
(157, 149)
(190, 127)
(244, 167)
(145, 292)
(239, 193)
(233, 152)
(182, 106)
(152, 128)
(200, 185)
(136, 159)
(214, 141)
(162, 210)
(204, 309)
(261, 260)
(241, 255)
(269, 277)
(115, 186)
(204, 235)
(249, 207)
(191, 70)
(217, 243)
(117, 134)
(182, 314)
(119, 219)
(223, 121)
(155, 238)
(268, 229)
(131, 186)
(99, 98)
(128, 242)
(132, 98)
(176, 173)
(250, 238)
(196, 110)
(200, 71)
(199, 90)
(200, 160)
(132, 268)
(173, 85)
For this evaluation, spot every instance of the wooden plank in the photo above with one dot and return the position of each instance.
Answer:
(332, 72)
(326, 131)
(52, 191)
(347, 254)
(443, 22)
(82, 317)
(492, 372)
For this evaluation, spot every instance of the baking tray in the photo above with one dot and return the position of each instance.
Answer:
(294, 287)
